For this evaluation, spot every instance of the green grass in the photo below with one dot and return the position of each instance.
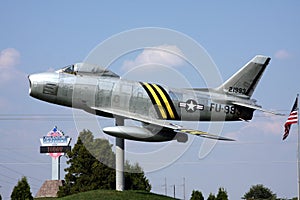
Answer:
(113, 195)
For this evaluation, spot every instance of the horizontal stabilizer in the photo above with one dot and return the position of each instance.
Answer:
(256, 108)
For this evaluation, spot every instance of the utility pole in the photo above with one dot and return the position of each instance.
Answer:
(174, 191)
(183, 188)
(165, 186)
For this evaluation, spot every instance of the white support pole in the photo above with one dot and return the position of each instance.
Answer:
(120, 146)
(56, 168)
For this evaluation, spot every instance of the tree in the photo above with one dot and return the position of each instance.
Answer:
(259, 192)
(222, 194)
(135, 178)
(85, 172)
(101, 149)
(88, 173)
(21, 190)
(211, 197)
(197, 195)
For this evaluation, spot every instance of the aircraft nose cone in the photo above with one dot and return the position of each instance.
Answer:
(32, 77)
(30, 84)
(32, 80)
(37, 82)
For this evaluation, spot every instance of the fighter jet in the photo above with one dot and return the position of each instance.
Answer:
(101, 92)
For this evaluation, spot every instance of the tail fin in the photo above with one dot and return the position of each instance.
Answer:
(246, 79)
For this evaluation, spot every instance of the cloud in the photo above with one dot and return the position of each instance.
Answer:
(9, 59)
(282, 54)
(168, 55)
(264, 123)
(269, 125)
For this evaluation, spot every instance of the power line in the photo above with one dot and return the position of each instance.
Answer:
(7, 182)
(21, 162)
(35, 115)
(12, 170)
(39, 117)
(26, 155)
(25, 163)
(8, 177)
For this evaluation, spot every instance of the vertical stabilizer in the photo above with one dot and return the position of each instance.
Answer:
(246, 79)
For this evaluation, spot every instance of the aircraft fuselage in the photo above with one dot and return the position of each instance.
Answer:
(146, 99)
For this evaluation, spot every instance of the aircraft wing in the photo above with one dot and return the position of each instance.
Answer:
(256, 108)
(162, 123)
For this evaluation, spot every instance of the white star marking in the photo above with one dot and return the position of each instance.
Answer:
(191, 106)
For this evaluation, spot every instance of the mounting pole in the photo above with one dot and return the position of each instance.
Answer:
(120, 146)
(56, 168)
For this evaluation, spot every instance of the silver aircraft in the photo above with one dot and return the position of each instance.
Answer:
(103, 93)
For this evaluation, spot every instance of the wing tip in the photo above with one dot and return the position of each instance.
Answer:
(220, 138)
(204, 134)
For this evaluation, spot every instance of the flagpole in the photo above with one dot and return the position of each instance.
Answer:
(298, 147)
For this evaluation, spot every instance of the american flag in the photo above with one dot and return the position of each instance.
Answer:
(292, 119)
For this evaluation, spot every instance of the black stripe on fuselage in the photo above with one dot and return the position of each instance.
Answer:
(159, 114)
(175, 115)
(161, 101)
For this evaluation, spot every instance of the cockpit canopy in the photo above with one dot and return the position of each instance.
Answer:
(68, 69)
(87, 69)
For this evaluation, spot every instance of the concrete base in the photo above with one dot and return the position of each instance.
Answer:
(49, 188)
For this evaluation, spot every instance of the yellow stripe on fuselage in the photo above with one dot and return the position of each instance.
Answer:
(165, 100)
(161, 109)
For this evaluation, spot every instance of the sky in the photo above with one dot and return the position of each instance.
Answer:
(41, 36)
